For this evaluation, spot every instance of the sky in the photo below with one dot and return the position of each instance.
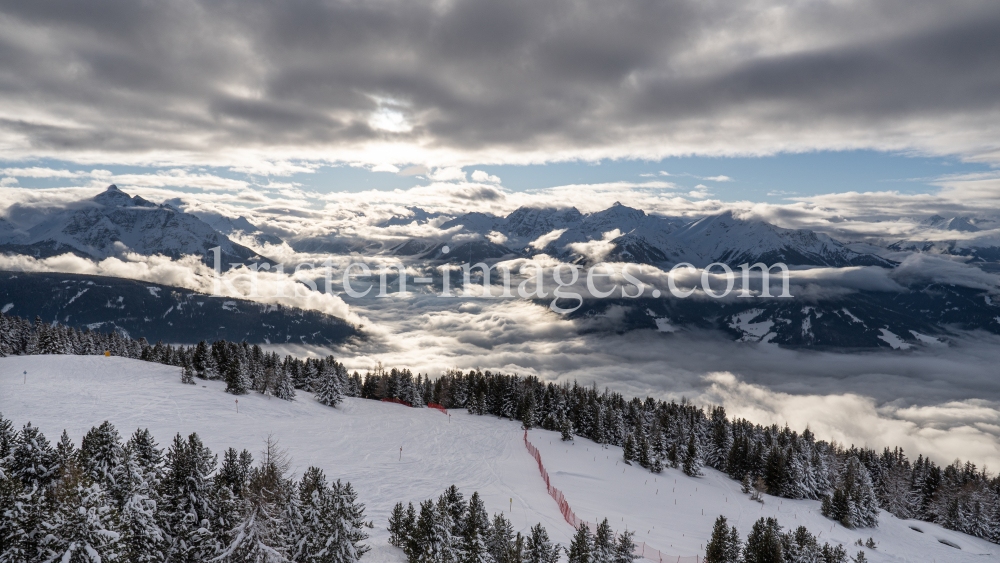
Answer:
(783, 99)
(858, 118)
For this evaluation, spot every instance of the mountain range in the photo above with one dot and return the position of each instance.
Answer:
(625, 234)
(114, 222)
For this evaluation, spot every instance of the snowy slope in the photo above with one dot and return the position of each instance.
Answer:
(360, 442)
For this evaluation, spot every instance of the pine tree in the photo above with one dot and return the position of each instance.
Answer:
(764, 543)
(474, 529)
(147, 454)
(720, 548)
(566, 428)
(188, 503)
(625, 548)
(412, 543)
(604, 543)
(20, 519)
(539, 549)
(8, 440)
(628, 452)
(33, 461)
(528, 415)
(853, 501)
(83, 526)
(283, 387)
(643, 454)
(657, 465)
(65, 452)
(736, 546)
(234, 471)
(235, 370)
(200, 360)
(397, 526)
(330, 391)
(325, 525)
(353, 513)
(581, 549)
(101, 453)
(500, 540)
(456, 508)
(692, 458)
(142, 540)
(49, 340)
(187, 374)
(801, 546)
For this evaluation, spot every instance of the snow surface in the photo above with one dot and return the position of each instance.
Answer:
(663, 325)
(360, 441)
(752, 332)
(926, 339)
(893, 340)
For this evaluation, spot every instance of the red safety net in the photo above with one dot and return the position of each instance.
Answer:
(397, 401)
(438, 407)
(642, 550)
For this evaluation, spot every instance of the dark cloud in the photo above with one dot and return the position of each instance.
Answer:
(629, 78)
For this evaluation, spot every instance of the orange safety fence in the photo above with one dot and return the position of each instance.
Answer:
(642, 550)
(438, 407)
(397, 401)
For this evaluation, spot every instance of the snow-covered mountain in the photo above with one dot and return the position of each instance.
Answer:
(976, 239)
(638, 237)
(113, 222)
(962, 224)
(733, 240)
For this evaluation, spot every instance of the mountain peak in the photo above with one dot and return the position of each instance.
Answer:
(113, 197)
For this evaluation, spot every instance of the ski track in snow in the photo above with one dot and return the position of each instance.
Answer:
(359, 442)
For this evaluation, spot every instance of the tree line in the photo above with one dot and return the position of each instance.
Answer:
(767, 543)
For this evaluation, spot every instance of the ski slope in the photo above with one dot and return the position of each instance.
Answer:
(360, 442)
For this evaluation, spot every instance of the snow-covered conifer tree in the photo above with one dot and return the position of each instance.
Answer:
(692, 458)
(83, 525)
(142, 540)
(33, 461)
(538, 548)
(581, 549)
(604, 543)
(474, 532)
(101, 453)
(188, 505)
(625, 548)
(330, 391)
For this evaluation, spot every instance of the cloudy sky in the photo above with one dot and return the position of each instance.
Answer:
(858, 118)
(738, 101)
